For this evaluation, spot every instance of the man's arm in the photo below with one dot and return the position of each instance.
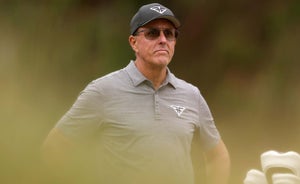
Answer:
(56, 148)
(217, 164)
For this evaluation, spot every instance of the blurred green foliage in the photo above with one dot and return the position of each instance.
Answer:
(243, 55)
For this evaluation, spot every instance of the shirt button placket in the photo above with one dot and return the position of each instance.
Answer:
(156, 105)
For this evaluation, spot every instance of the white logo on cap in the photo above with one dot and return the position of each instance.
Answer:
(158, 9)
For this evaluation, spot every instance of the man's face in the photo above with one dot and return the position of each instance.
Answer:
(154, 43)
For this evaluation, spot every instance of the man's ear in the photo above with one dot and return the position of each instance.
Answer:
(132, 42)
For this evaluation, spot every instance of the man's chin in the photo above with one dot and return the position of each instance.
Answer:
(162, 63)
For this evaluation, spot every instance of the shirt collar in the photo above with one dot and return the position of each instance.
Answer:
(137, 77)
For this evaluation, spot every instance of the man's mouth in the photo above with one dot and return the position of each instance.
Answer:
(162, 51)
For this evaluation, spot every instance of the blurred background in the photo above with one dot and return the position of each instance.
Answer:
(242, 55)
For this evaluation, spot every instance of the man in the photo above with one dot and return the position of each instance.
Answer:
(140, 121)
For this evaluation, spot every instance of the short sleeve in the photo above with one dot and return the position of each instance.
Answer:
(83, 118)
(208, 132)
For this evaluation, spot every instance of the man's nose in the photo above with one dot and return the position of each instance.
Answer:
(162, 36)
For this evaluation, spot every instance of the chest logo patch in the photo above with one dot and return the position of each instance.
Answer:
(178, 109)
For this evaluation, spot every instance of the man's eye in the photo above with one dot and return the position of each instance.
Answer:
(168, 33)
(153, 32)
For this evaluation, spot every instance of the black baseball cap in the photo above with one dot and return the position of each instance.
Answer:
(150, 12)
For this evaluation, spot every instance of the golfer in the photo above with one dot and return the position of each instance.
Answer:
(139, 122)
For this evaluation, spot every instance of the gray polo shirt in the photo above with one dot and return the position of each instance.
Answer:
(141, 134)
